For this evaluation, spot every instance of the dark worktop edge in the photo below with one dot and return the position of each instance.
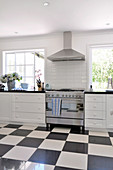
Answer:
(94, 92)
(22, 91)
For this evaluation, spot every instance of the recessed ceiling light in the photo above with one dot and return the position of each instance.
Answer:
(16, 32)
(46, 3)
(108, 23)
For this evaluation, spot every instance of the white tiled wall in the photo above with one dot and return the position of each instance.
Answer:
(66, 74)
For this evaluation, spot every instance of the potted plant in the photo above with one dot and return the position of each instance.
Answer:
(10, 79)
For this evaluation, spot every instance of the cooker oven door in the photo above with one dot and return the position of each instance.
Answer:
(65, 108)
(72, 108)
(53, 107)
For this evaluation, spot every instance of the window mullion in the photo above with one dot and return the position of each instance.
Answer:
(34, 70)
(24, 67)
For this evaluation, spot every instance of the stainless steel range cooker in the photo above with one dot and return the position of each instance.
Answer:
(65, 106)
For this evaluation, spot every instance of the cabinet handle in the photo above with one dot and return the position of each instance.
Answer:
(94, 123)
(95, 98)
(111, 113)
(94, 106)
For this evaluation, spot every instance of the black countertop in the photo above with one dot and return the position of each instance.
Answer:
(99, 92)
(21, 91)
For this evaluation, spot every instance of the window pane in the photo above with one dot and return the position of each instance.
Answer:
(10, 59)
(30, 82)
(19, 58)
(29, 58)
(29, 70)
(10, 69)
(20, 70)
(102, 67)
(39, 65)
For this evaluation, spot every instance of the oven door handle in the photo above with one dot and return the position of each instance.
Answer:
(60, 106)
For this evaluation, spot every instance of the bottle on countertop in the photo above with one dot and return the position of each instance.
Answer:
(91, 89)
(43, 86)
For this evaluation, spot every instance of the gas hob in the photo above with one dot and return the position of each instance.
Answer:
(65, 93)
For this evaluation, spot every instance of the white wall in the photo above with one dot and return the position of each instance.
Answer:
(60, 74)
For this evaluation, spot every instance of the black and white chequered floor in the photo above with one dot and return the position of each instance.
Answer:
(34, 148)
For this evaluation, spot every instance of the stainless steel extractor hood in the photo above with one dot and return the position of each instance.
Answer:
(67, 54)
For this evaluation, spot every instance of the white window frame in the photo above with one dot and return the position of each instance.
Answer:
(89, 60)
(4, 60)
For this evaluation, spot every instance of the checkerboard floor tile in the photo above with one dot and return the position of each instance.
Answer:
(52, 144)
(57, 136)
(100, 140)
(11, 140)
(21, 132)
(37, 166)
(6, 131)
(77, 138)
(24, 147)
(20, 153)
(28, 127)
(30, 142)
(12, 126)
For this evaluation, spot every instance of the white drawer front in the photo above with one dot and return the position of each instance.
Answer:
(29, 98)
(95, 98)
(30, 107)
(95, 123)
(94, 106)
(29, 117)
(95, 114)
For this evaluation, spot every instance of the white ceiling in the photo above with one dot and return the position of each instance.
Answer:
(30, 17)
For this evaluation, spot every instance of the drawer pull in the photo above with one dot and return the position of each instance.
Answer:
(94, 106)
(94, 98)
(17, 116)
(94, 123)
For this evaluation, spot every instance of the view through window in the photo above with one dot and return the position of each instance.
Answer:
(26, 63)
(102, 66)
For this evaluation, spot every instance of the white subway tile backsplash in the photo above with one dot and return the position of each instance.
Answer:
(66, 74)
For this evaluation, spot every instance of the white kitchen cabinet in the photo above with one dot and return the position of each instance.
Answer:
(5, 106)
(95, 111)
(109, 110)
(28, 107)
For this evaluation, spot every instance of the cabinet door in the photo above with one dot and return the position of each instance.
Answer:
(5, 106)
(110, 111)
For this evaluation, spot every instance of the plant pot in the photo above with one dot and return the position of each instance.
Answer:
(11, 85)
